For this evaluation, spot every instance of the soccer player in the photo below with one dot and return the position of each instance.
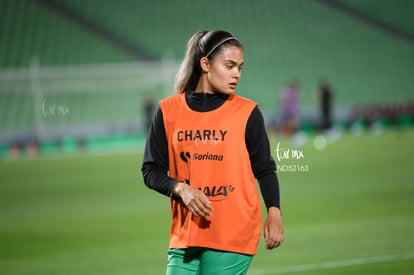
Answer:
(206, 146)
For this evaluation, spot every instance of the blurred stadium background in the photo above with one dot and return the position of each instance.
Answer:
(77, 76)
(78, 72)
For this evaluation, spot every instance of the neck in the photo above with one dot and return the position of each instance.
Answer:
(203, 86)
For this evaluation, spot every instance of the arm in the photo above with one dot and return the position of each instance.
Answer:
(155, 171)
(264, 169)
(155, 163)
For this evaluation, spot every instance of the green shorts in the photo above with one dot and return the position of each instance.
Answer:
(205, 261)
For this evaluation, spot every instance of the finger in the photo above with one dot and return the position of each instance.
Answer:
(269, 241)
(204, 208)
(271, 244)
(205, 201)
(278, 241)
(274, 239)
(204, 204)
(198, 208)
(207, 206)
(266, 233)
(193, 207)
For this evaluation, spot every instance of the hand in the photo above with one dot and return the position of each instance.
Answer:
(195, 200)
(273, 228)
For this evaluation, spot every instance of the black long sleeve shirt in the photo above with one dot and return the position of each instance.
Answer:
(155, 163)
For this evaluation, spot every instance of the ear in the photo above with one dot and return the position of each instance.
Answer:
(204, 64)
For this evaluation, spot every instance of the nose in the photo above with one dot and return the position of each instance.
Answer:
(237, 73)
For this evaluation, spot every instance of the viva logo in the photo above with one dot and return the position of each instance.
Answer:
(217, 193)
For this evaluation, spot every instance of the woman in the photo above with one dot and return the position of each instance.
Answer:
(205, 148)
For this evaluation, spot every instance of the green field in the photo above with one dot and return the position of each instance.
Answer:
(352, 212)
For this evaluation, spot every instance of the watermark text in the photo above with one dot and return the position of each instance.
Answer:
(54, 109)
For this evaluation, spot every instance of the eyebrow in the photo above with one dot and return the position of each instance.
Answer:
(234, 62)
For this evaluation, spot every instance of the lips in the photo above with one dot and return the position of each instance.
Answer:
(233, 85)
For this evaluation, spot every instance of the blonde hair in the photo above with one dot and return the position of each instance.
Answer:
(201, 44)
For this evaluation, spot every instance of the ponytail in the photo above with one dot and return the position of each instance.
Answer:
(189, 72)
(201, 44)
